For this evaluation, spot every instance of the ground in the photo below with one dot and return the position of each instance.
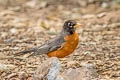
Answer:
(23, 26)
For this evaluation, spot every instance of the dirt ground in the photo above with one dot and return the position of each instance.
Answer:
(29, 24)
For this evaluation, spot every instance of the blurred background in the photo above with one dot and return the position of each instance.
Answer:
(28, 23)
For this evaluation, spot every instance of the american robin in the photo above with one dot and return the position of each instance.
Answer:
(62, 45)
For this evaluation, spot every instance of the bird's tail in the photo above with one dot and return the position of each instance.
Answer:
(28, 51)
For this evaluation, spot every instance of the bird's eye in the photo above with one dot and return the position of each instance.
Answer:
(69, 24)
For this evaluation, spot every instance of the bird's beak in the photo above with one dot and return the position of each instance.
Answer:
(78, 25)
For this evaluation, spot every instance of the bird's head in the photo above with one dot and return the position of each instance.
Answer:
(70, 26)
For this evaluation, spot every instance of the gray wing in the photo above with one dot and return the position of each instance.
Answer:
(51, 45)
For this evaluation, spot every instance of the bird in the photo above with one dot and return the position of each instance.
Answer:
(62, 45)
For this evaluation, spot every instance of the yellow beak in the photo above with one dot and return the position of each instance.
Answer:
(78, 25)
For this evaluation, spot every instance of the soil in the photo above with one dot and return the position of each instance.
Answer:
(27, 25)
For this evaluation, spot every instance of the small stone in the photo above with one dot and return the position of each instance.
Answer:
(51, 33)
(11, 75)
(88, 16)
(42, 4)
(9, 40)
(23, 76)
(3, 67)
(101, 15)
(31, 3)
(98, 38)
(75, 15)
(54, 70)
(6, 68)
(4, 34)
(104, 5)
(61, 77)
(87, 52)
(82, 3)
(86, 72)
(13, 30)
(48, 70)
(17, 8)
(91, 1)
(98, 27)
(70, 63)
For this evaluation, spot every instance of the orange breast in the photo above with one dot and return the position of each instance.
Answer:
(67, 48)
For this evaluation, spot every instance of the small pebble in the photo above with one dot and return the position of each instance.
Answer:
(13, 30)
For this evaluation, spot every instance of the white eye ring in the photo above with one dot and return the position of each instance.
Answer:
(69, 24)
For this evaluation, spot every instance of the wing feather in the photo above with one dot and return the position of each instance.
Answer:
(47, 47)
